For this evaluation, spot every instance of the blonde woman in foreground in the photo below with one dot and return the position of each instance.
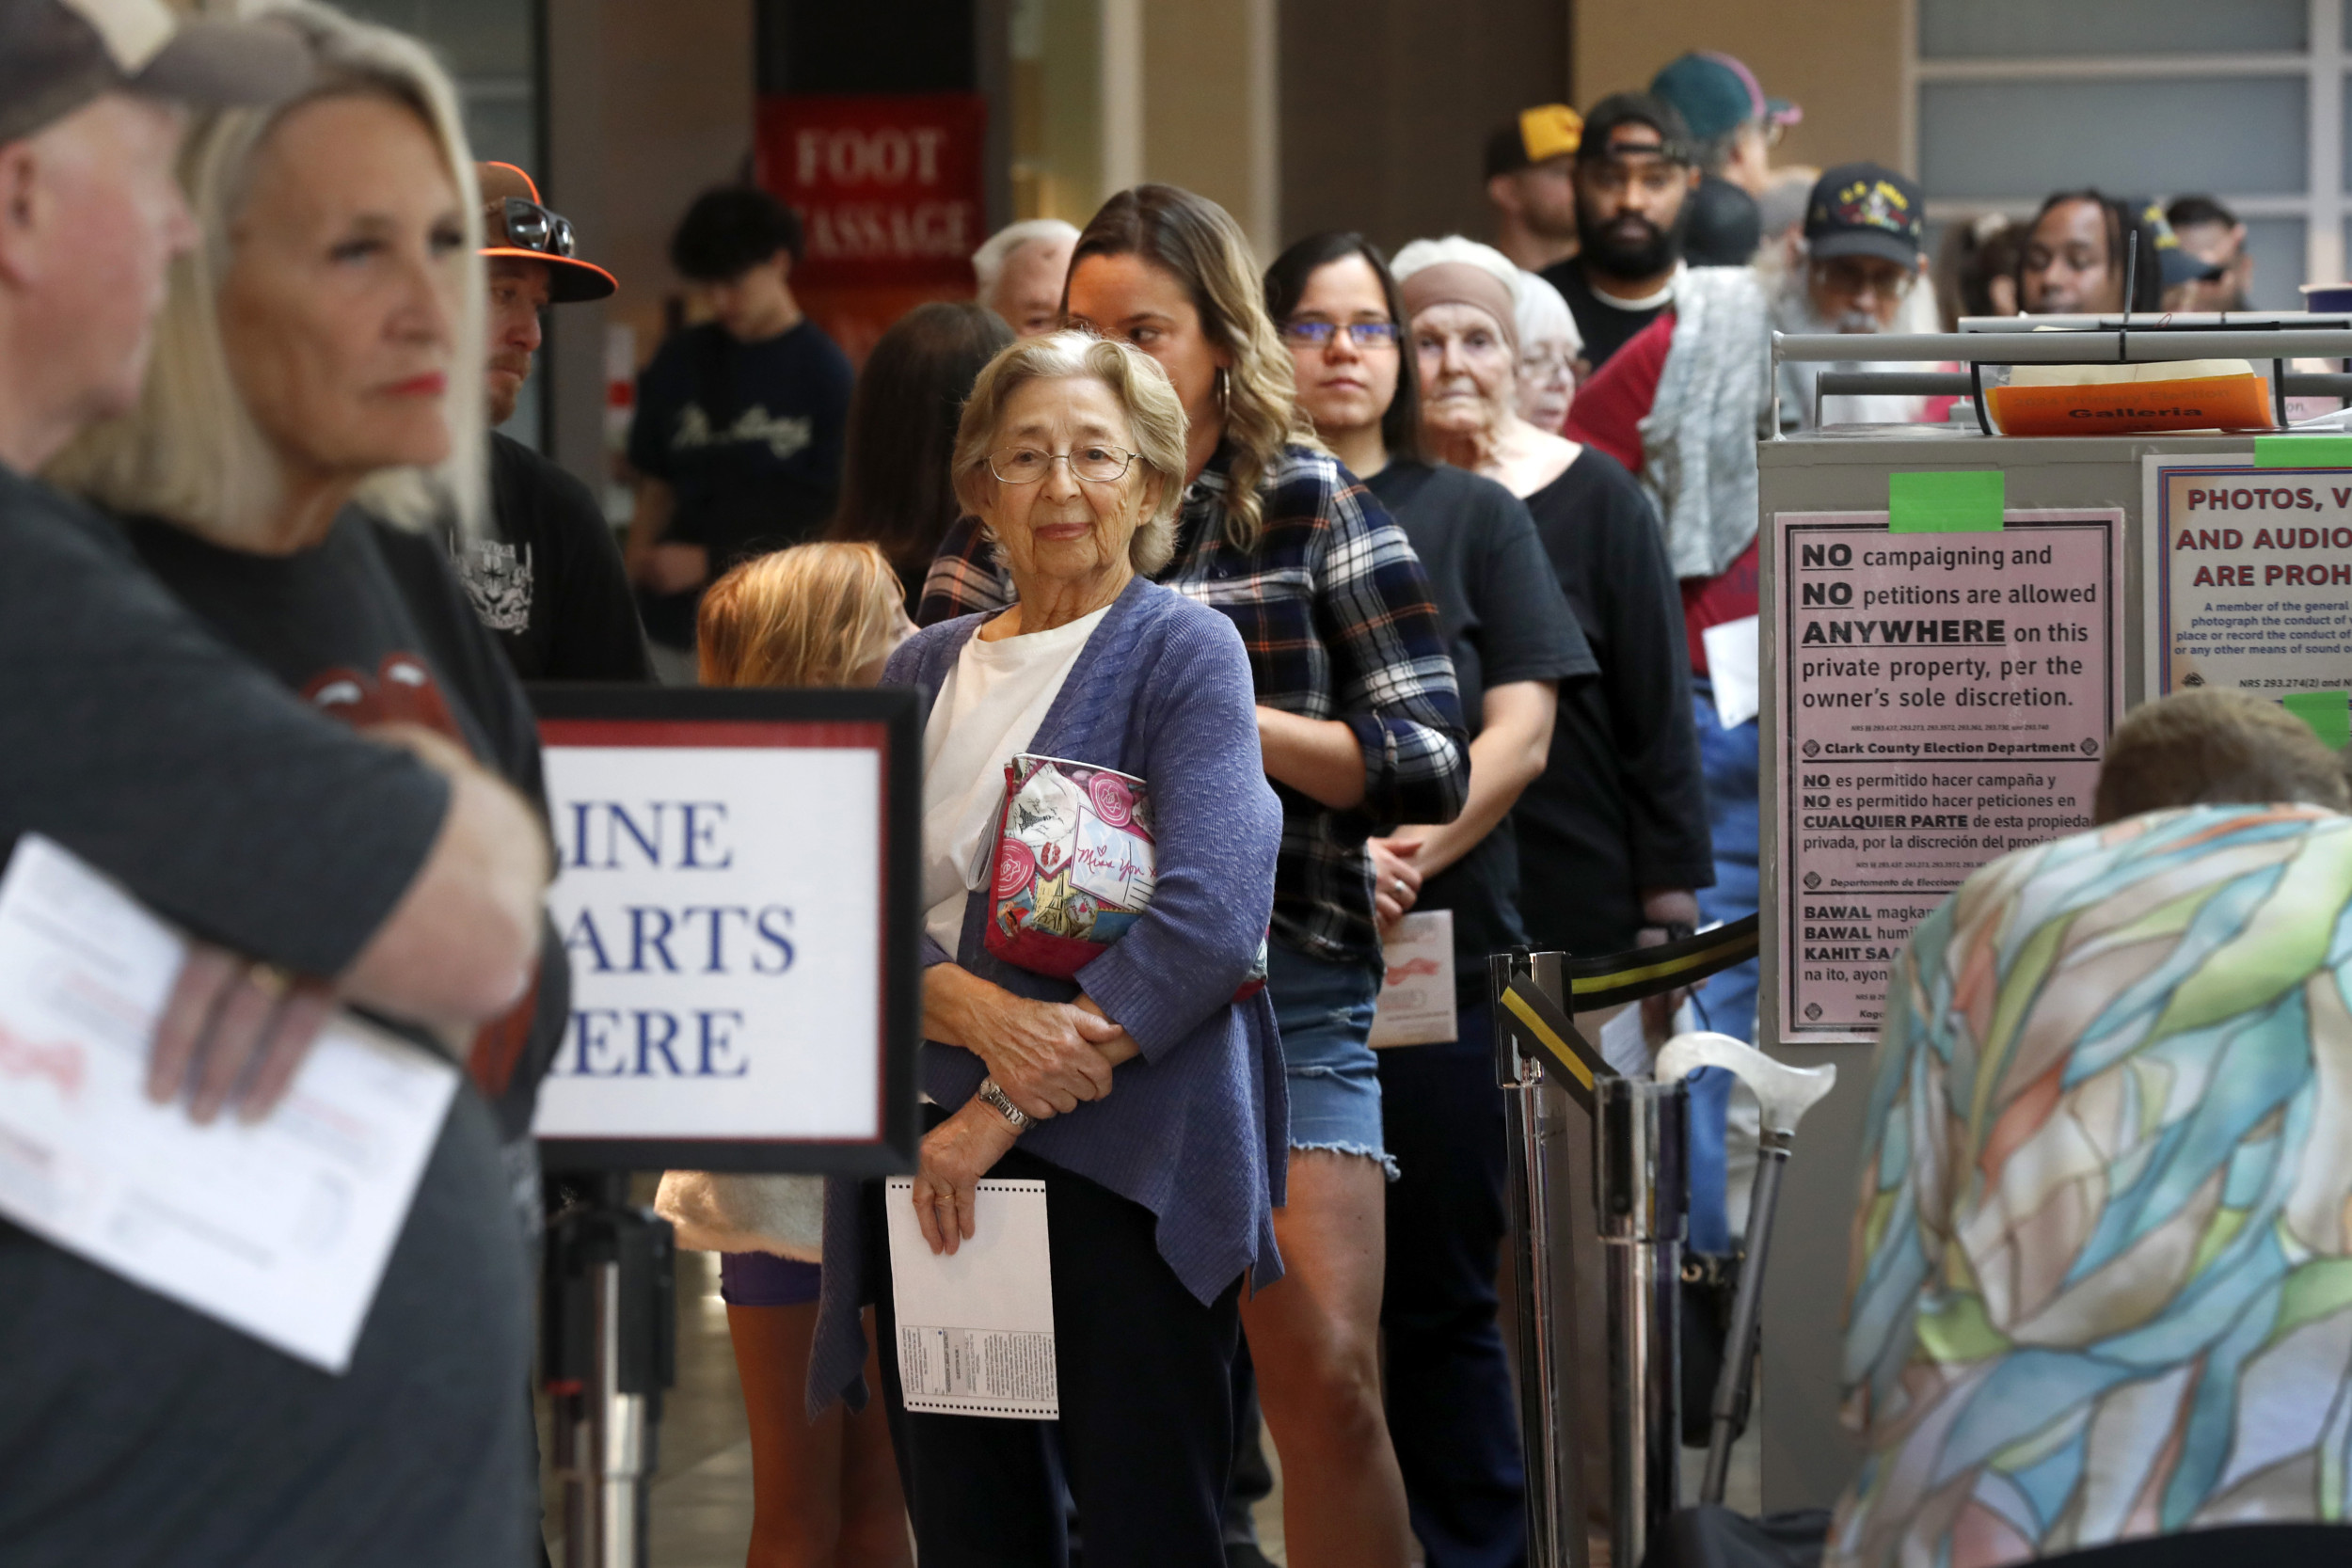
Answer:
(824, 1493)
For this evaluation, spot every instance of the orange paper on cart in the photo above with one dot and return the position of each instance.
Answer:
(2114, 400)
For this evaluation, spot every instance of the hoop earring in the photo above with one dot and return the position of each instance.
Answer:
(1224, 393)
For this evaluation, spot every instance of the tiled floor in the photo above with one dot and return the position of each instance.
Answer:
(702, 1491)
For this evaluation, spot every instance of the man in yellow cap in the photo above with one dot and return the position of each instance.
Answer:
(548, 581)
(1529, 166)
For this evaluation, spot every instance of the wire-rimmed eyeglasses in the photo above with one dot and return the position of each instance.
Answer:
(1095, 463)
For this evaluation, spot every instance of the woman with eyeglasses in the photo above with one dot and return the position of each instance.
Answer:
(1362, 730)
(1452, 1411)
(1145, 1092)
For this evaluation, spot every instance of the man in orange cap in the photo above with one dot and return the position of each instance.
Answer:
(549, 582)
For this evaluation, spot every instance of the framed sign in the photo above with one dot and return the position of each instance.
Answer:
(736, 893)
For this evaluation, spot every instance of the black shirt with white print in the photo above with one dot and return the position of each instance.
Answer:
(547, 580)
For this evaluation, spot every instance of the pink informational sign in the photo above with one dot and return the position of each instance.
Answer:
(1943, 699)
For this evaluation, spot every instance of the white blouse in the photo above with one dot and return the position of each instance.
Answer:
(986, 713)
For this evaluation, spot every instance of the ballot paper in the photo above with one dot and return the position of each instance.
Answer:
(1731, 668)
(975, 1330)
(280, 1230)
(1416, 1005)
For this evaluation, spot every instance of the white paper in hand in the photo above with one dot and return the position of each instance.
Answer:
(975, 1330)
(1732, 657)
(280, 1230)
(1416, 1005)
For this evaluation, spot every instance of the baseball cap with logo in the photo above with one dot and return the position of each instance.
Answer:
(1537, 135)
(55, 55)
(517, 225)
(1866, 210)
(1717, 95)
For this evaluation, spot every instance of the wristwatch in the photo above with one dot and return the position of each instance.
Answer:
(1001, 1102)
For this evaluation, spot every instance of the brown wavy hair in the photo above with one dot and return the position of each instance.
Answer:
(811, 615)
(1197, 243)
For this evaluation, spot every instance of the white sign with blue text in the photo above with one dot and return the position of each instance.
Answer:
(720, 907)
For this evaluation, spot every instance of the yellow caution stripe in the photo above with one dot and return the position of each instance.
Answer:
(1620, 977)
(1539, 1022)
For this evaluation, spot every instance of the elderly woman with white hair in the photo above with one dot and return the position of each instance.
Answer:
(1020, 270)
(1552, 354)
(1612, 838)
(309, 426)
(1146, 1089)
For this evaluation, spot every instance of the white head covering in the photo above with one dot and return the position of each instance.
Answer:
(1453, 247)
(1543, 314)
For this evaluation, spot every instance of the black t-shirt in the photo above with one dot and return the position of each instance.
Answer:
(549, 582)
(1621, 805)
(1504, 620)
(138, 1431)
(748, 436)
(369, 626)
(1603, 325)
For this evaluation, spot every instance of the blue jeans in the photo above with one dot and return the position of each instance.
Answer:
(1324, 1011)
(1453, 1408)
(1728, 763)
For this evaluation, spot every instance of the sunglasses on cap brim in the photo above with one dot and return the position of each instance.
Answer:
(530, 229)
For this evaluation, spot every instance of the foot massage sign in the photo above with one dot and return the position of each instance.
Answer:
(1944, 697)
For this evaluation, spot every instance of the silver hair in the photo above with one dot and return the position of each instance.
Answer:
(988, 262)
(1154, 415)
(191, 451)
(1543, 314)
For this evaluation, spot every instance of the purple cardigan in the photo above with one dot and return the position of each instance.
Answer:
(1196, 1127)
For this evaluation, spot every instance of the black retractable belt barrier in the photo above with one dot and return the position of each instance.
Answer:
(608, 1345)
(1641, 1194)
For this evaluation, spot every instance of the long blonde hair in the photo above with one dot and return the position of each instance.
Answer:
(811, 615)
(1197, 243)
(191, 452)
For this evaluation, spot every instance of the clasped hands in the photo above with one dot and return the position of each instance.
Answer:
(1047, 1057)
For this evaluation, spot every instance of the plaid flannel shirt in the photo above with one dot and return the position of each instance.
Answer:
(1341, 623)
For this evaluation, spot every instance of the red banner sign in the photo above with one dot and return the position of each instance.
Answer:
(890, 187)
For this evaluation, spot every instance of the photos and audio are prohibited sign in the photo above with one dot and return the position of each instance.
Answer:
(1944, 698)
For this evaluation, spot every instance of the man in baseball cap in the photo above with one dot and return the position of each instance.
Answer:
(1529, 165)
(548, 579)
(1863, 255)
(1733, 124)
(1632, 177)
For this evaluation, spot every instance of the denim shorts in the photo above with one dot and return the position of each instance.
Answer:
(764, 1279)
(1324, 1011)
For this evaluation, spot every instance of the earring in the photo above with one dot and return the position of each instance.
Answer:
(1224, 393)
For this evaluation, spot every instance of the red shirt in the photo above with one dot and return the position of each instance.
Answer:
(1608, 414)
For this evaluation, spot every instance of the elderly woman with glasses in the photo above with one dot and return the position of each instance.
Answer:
(1146, 1097)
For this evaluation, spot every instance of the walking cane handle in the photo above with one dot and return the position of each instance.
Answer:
(1786, 1093)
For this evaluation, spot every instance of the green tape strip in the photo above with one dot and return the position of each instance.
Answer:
(2303, 451)
(1969, 502)
(2328, 713)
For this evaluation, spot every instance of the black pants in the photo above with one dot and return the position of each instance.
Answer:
(1452, 1411)
(1145, 1377)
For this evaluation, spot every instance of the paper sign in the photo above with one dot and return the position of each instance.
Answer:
(2248, 576)
(2303, 451)
(1944, 503)
(976, 1328)
(279, 1229)
(2328, 712)
(1731, 668)
(1625, 1044)
(1941, 702)
(1417, 997)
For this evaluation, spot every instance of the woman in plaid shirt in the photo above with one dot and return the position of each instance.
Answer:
(1362, 730)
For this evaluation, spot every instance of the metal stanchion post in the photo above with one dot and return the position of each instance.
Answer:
(610, 1343)
(1642, 1187)
(1555, 1511)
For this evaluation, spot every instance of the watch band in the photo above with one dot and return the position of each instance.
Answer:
(1002, 1104)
